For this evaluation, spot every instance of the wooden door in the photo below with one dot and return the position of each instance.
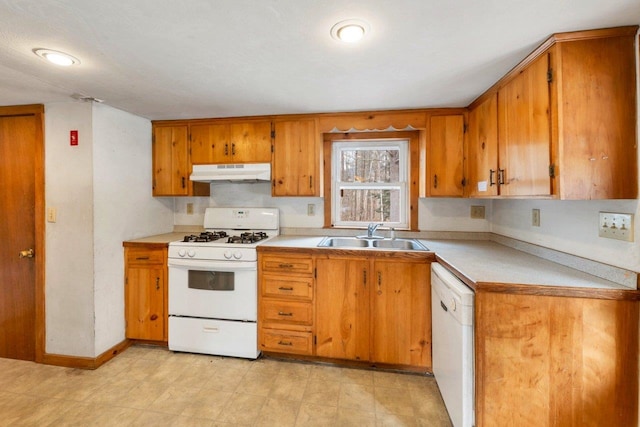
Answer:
(20, 164)
(251, 142)
(482, 149)
(144, 302)
(445, 156)
(209, 143)
(524, 132)
(401, 318)
(342, 308)
(295, 168)
(170, 161)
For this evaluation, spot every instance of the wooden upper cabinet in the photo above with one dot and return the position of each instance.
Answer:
(482, 149)
(524, 132)
(594, 115)
(241, 142)
(295, 169)
(445, 156)
(566, 122)
(170, 161)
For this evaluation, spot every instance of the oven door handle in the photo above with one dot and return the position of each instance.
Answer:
(196, 264)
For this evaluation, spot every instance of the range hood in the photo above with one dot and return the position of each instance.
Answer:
(245, 172)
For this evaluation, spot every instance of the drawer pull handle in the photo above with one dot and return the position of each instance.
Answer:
(283, 288)
(282, 313)
(285, 343)
(286, 265)
(140, 258)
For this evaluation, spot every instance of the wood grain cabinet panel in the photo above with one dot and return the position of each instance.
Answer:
(445, 156)
(235, 142)
(296, 158)
(146, 294)
(374, 309)
(342, 306)
(555, 361)
(286, 303)
(171, 163)
(482, 149)
(566, 119)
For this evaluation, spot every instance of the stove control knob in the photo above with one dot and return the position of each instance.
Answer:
(227, 254)
(191, 253)
(237, 255)
(182, 253)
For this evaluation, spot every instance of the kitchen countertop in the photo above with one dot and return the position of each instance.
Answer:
(158, 239)
(487, 265)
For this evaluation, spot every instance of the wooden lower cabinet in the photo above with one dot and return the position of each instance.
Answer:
(342, 307)
(146, 293)
(555, 361)
(374, 309)
(285, 303)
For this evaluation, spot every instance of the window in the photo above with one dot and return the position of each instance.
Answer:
(370, 182)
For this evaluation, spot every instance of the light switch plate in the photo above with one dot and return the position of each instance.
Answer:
(535, 217)
(616, 226)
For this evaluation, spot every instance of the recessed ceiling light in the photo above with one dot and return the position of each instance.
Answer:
(349, 31)
(55, 57)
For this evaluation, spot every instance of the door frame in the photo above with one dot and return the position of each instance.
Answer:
(37, 110)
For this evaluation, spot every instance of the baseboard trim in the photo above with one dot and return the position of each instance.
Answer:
(85, 362)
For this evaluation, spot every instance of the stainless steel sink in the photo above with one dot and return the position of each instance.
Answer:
(406, 244)
(365, 243)
(344, 242)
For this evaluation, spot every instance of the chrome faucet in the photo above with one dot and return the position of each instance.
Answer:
(371, 229)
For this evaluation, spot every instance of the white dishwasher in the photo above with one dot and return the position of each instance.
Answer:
(452, 344)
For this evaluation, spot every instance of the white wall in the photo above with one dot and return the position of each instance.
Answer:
(69, 243)
(123, 209)
(570, 227)
(102, 192)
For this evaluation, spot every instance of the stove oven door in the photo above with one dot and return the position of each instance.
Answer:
(213, 289)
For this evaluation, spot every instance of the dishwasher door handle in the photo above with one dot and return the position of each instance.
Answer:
(444, 307)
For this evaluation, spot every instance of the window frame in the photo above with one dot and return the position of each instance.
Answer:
(413, 173)
(402, 145)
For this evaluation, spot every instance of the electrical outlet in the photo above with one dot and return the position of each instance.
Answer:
(189, 208)
(535, 217)
(616, 226)
(477, 212)
(51, 214)
(311, 209)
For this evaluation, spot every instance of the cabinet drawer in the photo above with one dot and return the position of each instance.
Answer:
(287, 286)
(287, 264)
(144, 256)
(286, 341)
(299, 313)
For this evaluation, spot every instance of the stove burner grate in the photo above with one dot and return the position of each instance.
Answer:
(248, 237)
(206, 236)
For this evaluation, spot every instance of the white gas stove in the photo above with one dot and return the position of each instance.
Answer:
(213, 283)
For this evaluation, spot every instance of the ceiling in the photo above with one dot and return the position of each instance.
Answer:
(165, 59)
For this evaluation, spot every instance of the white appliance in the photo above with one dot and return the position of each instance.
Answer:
(213, 283)
(452, 305)
(247, 172)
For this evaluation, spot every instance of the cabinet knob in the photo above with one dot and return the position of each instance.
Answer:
(154, 317)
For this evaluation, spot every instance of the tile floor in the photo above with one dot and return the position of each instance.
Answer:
(150, 386)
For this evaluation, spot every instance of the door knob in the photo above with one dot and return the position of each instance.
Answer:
(28, 253)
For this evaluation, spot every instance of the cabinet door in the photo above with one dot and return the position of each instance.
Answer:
(295, 159)
(524, 132)
(144, 305)
(482, 149)
(170, 161)
(251, 142)
(342, 308)
(445, 155)
(209, 144)
(401, 313)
